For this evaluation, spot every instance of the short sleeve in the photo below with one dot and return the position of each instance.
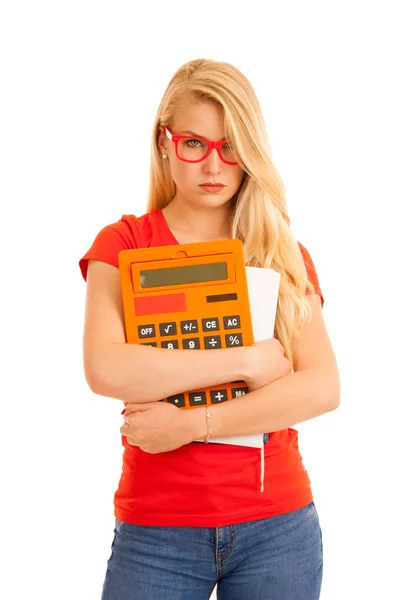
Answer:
(109, 242)
(311, 273)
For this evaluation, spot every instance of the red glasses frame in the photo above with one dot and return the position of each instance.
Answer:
(211, 145)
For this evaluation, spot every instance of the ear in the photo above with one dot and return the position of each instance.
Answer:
(161, 140)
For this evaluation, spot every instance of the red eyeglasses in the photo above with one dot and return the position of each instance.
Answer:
(195, 149)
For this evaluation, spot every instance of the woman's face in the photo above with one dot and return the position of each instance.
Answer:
(203, 120)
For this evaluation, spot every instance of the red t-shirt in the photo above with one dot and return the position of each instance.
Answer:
(200, 485)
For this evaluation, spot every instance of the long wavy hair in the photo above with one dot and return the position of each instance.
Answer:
(259, 210)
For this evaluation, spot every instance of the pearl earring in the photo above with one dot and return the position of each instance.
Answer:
(165, 155)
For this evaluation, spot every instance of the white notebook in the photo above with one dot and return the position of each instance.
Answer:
(263, 288)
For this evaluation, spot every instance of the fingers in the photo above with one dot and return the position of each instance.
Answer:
(129, 411)
(125, 430)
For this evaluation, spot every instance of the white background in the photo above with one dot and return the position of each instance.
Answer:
(81, 83)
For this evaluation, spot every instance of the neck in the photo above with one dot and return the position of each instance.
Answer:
(202, 224)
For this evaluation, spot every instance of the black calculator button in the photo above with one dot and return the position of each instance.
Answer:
(233, 339)
(211, 324)
(188, 327)
(178, 400)
(218, 396)
(167, 328)
(191, 343)
(211, 342)
(170, 344)
(146, 331)
(149, 344)
(197, 398)
(240, 391)
(232, 322)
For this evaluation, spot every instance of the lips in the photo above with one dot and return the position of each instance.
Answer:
(212, 189)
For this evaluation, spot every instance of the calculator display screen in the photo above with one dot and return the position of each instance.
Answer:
(181, 275)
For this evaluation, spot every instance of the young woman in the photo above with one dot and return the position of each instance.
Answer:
(190, 516)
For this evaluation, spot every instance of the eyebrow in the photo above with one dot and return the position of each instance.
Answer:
(200, 136)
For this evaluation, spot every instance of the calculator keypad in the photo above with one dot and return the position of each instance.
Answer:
(207, 340)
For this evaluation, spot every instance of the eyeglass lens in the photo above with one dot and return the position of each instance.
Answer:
(192, 149)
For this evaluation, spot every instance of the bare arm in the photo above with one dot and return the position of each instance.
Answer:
(292, 399)
(312, 390)
(136, 373)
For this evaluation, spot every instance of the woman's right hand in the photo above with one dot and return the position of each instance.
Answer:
(266, 362)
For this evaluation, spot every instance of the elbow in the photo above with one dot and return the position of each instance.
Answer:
(332, 400)
(333, 404)
(100, 385)
(96, 374)
(103, 381)
(94, 380)
(327, 404)
(326, 390)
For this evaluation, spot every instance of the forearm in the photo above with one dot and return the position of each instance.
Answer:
(294, 398)
(135, 373)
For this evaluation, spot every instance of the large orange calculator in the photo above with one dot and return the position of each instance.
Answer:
(188, 296)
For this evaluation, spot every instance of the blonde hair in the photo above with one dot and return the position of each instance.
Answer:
(259, 210)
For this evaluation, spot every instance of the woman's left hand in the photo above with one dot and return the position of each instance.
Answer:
(158, 426)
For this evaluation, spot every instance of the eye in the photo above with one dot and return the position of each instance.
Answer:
(192, 143)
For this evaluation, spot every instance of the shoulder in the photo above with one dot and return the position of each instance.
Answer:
(123, 232)
(311, 272)
(305, 254)
(142, 228)
(128, 233)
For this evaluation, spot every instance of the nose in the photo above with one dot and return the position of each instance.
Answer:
(213, 163)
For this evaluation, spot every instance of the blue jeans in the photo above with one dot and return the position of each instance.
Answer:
(278, 558)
